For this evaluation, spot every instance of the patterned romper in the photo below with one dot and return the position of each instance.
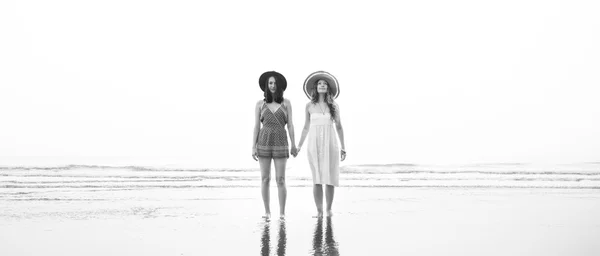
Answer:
(272, 138)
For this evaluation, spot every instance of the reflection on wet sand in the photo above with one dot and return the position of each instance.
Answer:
(281, 238)
(328, 246)
(265, 241)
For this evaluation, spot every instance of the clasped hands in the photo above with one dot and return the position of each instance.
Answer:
(295, 152)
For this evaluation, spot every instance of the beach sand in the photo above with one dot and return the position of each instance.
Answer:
(366, 221)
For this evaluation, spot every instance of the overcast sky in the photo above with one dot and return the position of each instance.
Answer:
(175, 82)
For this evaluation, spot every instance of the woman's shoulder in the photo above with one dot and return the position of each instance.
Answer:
(260, 103)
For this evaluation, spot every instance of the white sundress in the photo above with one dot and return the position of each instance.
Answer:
(323, 151)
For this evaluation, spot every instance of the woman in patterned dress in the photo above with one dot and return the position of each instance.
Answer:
(322, 112)
(270, 141)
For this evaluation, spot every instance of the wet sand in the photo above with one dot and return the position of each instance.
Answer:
(367, 221)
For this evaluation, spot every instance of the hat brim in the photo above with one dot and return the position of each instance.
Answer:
(309, 83)
(281, 81)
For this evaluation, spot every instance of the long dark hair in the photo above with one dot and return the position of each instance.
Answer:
(314, 95)
(277, 96)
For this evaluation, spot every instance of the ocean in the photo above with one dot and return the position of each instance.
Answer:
(506, 175)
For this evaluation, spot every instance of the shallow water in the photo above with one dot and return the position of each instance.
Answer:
(96, 210)
(367, 221)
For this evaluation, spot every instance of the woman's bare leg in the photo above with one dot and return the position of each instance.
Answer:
(280, 179)
(329, 197)
(318, 194)
(265, 176)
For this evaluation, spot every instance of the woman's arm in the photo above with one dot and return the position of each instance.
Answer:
(290, 126)
(340, 131)
(256, 129)
(306, 126)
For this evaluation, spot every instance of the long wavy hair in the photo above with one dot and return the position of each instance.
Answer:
(314, 98)
(277, 96)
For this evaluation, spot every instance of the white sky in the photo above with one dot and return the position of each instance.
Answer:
(175, 82)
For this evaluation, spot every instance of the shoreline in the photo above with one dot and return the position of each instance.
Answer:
(193, 221)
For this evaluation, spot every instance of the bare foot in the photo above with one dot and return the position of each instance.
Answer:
(267, 216)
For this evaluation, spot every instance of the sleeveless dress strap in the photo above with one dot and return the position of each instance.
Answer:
(285, 111)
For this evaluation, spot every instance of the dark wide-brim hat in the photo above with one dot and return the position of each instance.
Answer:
(311, 80)
(281, 82)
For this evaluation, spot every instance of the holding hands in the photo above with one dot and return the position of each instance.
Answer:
(295, 152)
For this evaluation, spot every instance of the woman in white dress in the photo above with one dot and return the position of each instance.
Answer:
(323, 152)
